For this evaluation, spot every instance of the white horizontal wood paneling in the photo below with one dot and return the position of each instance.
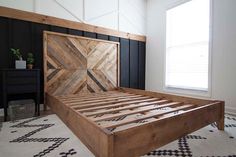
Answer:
(122, 15)
(74, 7)
(101, 13)
(55, 8)
(25, 5)
(109, 21)
(133, 16)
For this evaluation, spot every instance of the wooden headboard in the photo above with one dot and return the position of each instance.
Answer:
(74, 64)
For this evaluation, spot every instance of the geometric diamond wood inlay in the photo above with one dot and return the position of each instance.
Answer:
(75, 64)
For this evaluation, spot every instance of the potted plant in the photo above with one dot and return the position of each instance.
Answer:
(19, 63)
(30, 60)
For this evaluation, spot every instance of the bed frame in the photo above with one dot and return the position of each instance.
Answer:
(113, 121)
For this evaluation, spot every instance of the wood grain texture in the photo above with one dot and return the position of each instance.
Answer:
(112, 125)
(158, 132)
(34, 17)
(120, 123)
(97, 140)
(75, 64)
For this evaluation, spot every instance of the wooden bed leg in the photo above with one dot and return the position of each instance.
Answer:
(221, 122)
(45, 103)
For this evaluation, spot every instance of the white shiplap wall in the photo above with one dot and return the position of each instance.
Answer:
(123, 15)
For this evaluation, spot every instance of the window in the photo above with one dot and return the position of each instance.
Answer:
(187, 45)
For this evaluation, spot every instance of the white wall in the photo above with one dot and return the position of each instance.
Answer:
(223, 49)
(21, 4)
(123, 15)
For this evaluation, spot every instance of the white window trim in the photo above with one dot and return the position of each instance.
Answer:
(176, 3)
(187, 91)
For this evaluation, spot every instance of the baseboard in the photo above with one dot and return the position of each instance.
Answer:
(230, 110)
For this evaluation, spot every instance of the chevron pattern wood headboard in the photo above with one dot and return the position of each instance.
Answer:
(74, 64)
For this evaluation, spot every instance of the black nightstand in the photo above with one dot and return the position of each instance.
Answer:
(20, 81)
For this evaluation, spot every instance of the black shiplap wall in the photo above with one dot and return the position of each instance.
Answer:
(133, 64)
(124, 63)
(28, 36)
(141, 64)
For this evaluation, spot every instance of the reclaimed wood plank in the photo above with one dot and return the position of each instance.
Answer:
(97, 140)
(151, 135)
(123, 108)
(97, 119)
(117, 105)
(178, 98)
(101, 99)
(85, 96)
(126, 101)
(151, 115)
(76, 64)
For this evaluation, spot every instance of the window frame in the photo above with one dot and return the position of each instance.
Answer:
(191, 91)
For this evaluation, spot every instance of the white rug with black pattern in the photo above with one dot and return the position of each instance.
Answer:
(48, 137)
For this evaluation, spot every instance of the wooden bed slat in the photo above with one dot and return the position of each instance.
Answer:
(113, 99)
(151, 115)
(190, 109)
(117, 105)
(133, 106)
(95, 97)
(178, 98)
(127, 101)
(134, 112)
(87, 95)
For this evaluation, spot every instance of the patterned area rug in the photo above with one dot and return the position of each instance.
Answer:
(49, 137)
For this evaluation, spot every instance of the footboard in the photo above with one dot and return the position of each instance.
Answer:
(139, 140)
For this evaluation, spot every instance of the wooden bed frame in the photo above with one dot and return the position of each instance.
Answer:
(123, 122)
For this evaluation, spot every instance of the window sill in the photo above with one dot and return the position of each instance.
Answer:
(188, 92)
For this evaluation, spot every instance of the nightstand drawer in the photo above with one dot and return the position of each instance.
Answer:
(21, 80)
(17, 81)
(21, 73)
(21, 89)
